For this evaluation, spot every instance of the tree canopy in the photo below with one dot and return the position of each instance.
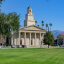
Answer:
(2, 23)
(9, 22)
(1, 1)
(49, 38)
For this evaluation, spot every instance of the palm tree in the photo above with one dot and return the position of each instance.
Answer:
(50, 26)
(1, 1)
(42, 23)
(38, 25)
(35, 21)
(46, 26)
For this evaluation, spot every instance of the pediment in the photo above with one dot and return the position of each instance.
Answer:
(33, 27)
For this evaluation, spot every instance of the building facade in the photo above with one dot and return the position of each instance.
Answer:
(30, 35)
(2, 40)
(60, 39)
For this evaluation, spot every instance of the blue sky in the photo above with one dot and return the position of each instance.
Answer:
(51, 11)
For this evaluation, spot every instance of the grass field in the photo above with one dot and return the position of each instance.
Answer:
(32, 56)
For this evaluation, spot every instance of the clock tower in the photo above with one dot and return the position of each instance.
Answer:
(29, 19)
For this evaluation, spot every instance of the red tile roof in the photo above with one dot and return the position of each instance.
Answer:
(62, 34)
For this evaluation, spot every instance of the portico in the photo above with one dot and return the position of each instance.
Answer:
(30, 38)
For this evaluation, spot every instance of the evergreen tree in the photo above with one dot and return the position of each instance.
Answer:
(49, 38)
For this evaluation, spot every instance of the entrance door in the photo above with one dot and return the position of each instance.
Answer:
(20, 42)
(31, 42)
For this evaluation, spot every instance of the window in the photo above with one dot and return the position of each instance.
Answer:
(30, 10)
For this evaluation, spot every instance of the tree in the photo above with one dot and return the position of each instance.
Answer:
(35, 21)
(1, 3)
(12, 24)
(49, 38)
(9, 22)
(2, 24)
(42, 23)
(46, 26)
(50, 26)
(38, 25)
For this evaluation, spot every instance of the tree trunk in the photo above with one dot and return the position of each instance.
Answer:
(50, 28)
(8, 37)
(46, 28)
(8, 41)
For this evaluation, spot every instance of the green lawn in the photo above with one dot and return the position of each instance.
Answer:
(32, 56)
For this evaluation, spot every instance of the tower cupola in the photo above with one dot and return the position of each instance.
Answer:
(29, 17)
(29, 10)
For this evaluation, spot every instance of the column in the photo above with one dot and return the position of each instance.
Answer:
(12, 40)
(15, 42)
(40, 38)
(25, 38)
(35, 39)
(30, 39)
(19, 38)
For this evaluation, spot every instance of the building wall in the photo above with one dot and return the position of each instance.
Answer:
(37, 43)
(3, 40)
(60, 40)
(30, 23)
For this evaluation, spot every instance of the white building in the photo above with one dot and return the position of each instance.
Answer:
(60, 39)
(30, 35)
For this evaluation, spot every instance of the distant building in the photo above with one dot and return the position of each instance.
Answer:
(2, 40)
(60, 39)
(30, 34)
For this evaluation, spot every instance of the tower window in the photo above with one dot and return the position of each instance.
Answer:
(30, 10)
